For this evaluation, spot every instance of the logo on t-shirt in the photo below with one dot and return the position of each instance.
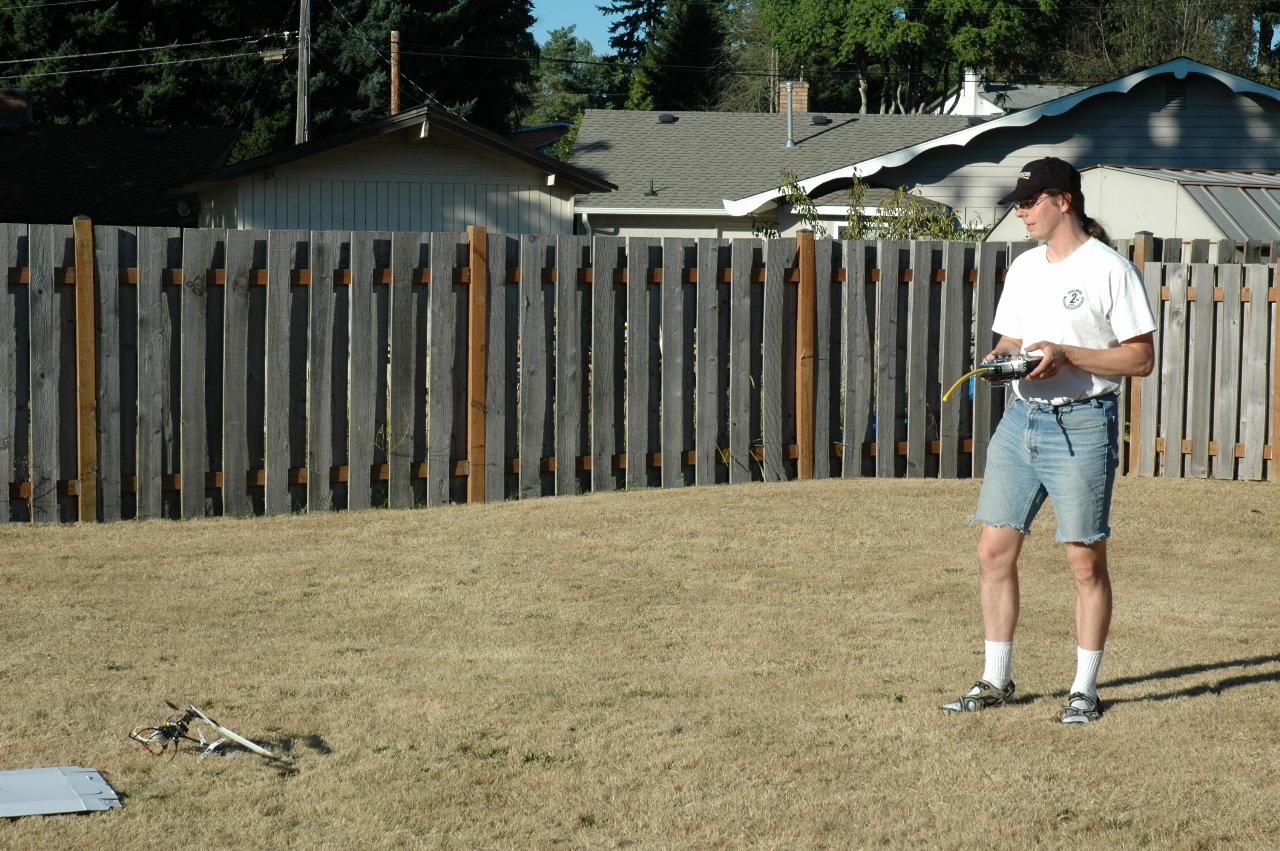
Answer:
(1073, 299)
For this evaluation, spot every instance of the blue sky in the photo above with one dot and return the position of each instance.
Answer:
(591, 24)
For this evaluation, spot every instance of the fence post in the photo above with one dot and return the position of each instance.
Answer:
(1144, 251)
(805, 324)
(477, 359)
(86, 372)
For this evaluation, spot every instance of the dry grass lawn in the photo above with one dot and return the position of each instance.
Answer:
(749, 666)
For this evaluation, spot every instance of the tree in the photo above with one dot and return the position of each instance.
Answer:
(747, 84)
(628, 36)
(1117, 37)
(568, 78)
(468, 55)
(682, 67)
(891, 56)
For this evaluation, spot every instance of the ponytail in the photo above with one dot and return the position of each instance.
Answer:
(1094, 229)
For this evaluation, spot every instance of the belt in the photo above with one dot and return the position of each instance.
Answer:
(1066, 404)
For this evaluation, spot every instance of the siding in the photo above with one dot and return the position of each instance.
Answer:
(1200, 124)
(397, 182)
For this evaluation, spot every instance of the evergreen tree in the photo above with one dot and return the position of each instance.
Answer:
(682, 68)
(637, 19)
(568, 79)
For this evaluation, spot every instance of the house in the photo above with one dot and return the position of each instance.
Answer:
(51, 173)
(674, 170)
(1181, 114)
(1190, 204)
(692, 175)
(420, 170)
(976, 96)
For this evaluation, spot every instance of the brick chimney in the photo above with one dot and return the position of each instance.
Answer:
(15, 109)
(799, 96)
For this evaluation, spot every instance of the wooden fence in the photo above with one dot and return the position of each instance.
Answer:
(148, 372)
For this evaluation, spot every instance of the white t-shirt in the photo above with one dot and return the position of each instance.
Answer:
(1093, 298)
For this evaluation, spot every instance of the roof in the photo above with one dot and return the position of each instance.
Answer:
(691, 165)
(1244, 205)
(49, 174)
(437, 119)
(1012, 97)
(867, 166)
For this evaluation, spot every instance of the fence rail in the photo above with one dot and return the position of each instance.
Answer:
(148, 372)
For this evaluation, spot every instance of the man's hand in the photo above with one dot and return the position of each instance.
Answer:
(1053, 358)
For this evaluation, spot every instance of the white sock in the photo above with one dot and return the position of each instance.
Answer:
(998, 665)
(1087, 664)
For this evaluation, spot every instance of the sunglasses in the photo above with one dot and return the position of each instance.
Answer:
(1028, 203)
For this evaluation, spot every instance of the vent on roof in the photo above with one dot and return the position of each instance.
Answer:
(1175, 95)
(667, 118)
(821, 120)
(155, 132)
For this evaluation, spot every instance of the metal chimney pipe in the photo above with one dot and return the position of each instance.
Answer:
(791, 135)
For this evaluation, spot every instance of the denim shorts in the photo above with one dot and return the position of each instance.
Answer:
(1068, 453)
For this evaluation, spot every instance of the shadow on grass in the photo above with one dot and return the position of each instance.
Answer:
(1219, 687)
(287, 749)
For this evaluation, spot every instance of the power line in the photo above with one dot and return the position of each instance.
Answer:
(143, 49)
(25, 6)
(387, 60)
(110, 68)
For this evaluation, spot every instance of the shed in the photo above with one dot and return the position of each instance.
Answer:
(420, 170)
(1214, 204)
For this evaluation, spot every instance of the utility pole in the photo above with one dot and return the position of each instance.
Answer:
(302, 129)
(395, 72)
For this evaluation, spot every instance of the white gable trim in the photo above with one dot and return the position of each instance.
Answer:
(1179, 68)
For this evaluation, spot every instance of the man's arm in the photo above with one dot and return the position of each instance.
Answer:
(1135, 356)
(1004, 347)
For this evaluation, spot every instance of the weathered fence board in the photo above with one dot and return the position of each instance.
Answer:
(779, 254)
(45, 374)
(607, 364)
(825, 344)
(1149, 403)
(1226, 417)
(447, 360)
(918, 357)
(500, 383)
(9, 235)
(1200, 370)
(235, 372)
(859, 337)
(197, 259)
(1173, 369)
(1255, 356)
(889, 376)
(710, 404)
(362, 371)
(639, 373)
(571, 355)
(954, 338)
(673, 361)
(983, 338)
(400, 390)
(106, 248)
(323, 263)
(536, 350)
(742, 252)
(281, 264)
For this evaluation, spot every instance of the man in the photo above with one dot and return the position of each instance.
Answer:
(1082, 307)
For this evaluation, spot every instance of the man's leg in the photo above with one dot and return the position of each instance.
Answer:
(1093, 612)
(998, 550)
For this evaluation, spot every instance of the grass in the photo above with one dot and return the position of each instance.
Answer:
(747, 666)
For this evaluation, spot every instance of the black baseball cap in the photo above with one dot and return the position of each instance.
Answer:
(1039, 175)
